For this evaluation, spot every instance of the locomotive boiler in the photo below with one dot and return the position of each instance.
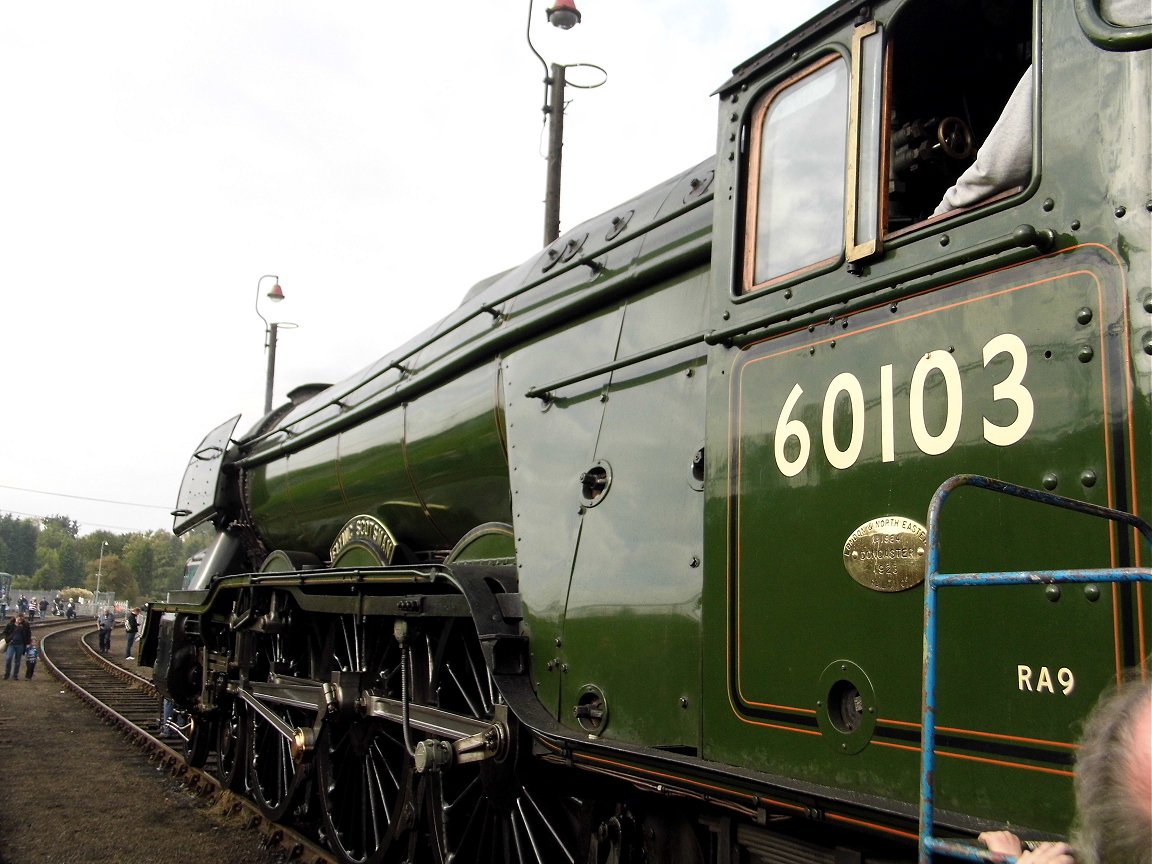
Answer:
(625, 559)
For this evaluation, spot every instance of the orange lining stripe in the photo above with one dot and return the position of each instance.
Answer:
(996, 735)
(838, 818)
(792, 708)
(634, 769)
(739, 368)
(907, 747)
(957, 304)
(767, 725)
(757, 798)
(627, 770)
(1059, 772)
(891, 722)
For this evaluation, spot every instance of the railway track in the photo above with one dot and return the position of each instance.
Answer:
(129, 702)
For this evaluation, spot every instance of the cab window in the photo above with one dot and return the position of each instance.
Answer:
(930, 116)
(798, 145)
(960, 105)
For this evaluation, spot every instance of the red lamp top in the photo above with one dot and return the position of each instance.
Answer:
(564, 14)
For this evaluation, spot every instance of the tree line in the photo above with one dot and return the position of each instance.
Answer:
(49, 554)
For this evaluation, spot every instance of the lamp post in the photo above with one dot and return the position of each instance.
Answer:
(564, 15)
(276, 294)
(99, 573)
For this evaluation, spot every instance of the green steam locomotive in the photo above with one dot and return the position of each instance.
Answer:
(624, 559)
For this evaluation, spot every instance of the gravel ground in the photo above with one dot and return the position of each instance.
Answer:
(72, 789)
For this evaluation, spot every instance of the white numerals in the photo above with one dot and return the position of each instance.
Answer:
(1043, 682)
(786, 429)
(793, 440)
(1009, 388)
(845, 382)
(942, 362)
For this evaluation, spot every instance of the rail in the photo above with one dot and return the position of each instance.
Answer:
(935, 580)
(293, 845)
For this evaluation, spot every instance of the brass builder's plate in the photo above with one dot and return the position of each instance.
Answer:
(887, 554)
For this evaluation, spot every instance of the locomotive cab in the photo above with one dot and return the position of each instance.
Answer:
(954, 68)
(870, 344)
(856, 143)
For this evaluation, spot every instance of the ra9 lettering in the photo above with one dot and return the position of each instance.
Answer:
(793, 441)
(1040, 681)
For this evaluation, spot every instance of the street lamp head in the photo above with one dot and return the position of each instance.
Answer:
(564, 14)
(275, 295)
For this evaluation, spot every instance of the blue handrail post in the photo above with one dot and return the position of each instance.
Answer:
(934, 580)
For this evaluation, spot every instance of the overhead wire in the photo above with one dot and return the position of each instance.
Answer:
(86, 498)
(40, 517)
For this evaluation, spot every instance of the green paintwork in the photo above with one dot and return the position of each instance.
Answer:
(780, 608)
(427, 474)
(492, 541)
(794, 608)
(358, 554)
(635, 593)
(715, 614)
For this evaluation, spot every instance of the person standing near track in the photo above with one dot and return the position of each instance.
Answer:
(18, 635)
(106, 621)
(31, 655)
(131, 628)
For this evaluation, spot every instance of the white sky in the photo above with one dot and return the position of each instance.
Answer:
(158, 158)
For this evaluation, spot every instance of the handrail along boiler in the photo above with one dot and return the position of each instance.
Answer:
(623, 559)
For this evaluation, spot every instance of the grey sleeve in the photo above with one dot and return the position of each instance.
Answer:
(1004, 159)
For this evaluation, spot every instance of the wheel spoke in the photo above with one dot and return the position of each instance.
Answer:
(488, 810)
(514, 833)
(464, 693)
(199, 741)
(274, 776)
(362, 789)
(364, 782)
(543, 820)
(373, 805)
(231, 747)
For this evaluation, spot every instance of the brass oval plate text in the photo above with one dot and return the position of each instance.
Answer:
(887, 554)
(364, 541)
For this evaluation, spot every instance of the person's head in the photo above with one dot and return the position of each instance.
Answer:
(1114, 779)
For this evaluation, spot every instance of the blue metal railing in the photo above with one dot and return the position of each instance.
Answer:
(934, 580)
